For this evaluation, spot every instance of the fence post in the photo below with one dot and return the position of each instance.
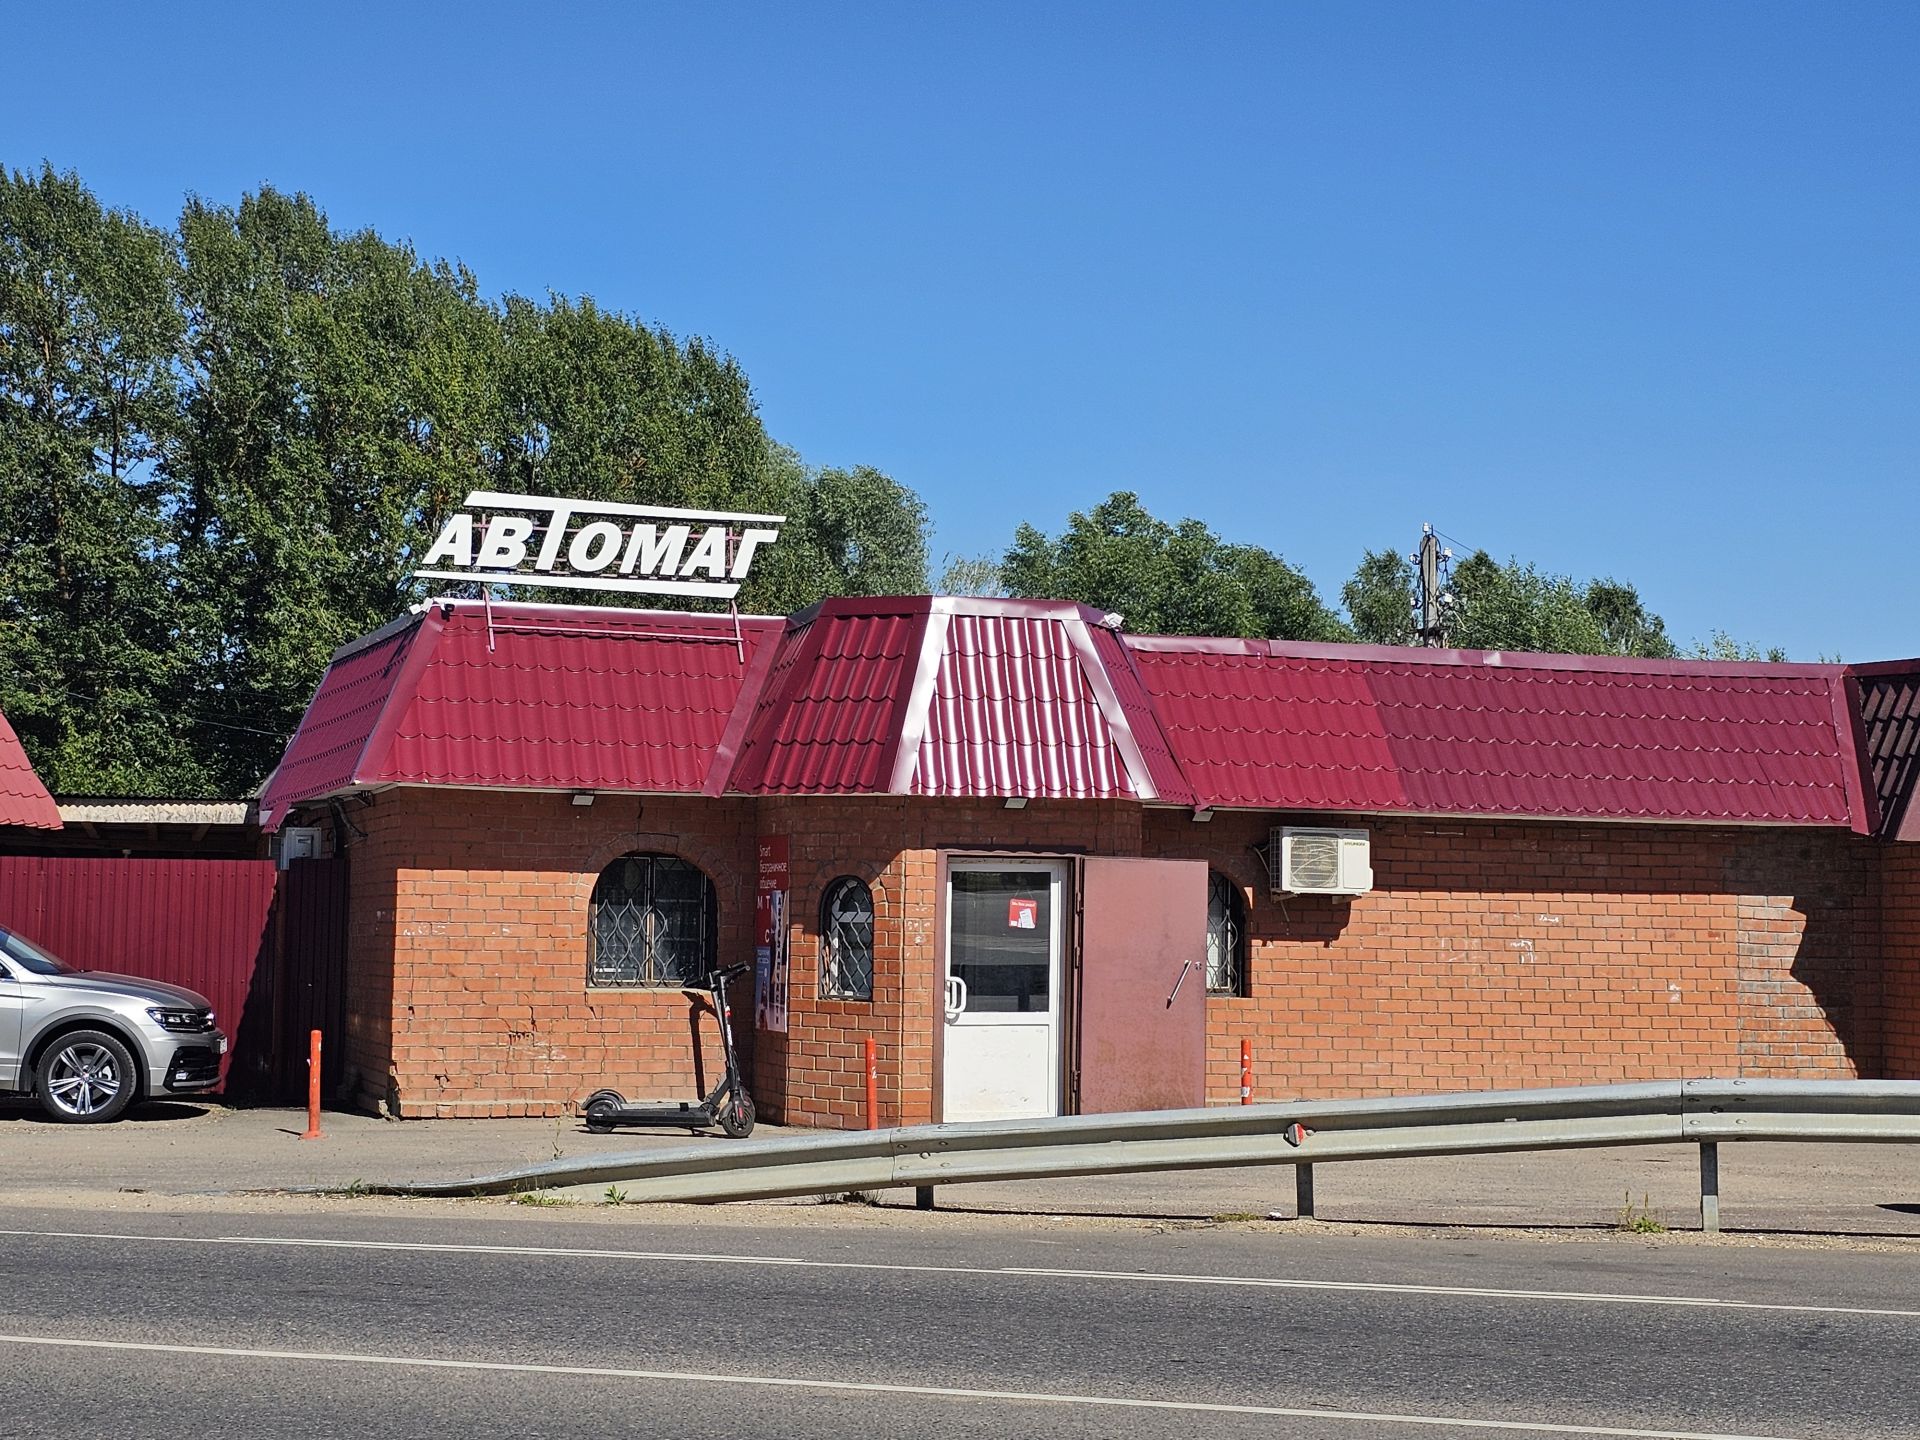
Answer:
(1710, 1186)
(1303, 1192)
(313, 1087)
(1246, 1072)
(873, 1085)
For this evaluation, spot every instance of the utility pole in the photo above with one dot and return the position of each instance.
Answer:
(1431, 599)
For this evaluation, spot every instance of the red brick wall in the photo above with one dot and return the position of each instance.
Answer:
(475, 902)
(815, 1074)
(1495, 955)
(1491, 954)
(1900, 931)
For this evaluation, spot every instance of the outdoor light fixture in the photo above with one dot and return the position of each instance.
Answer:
(583, 797)
(1202, 814)
(1016, 802)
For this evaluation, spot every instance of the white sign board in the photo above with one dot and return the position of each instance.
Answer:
(504, 539)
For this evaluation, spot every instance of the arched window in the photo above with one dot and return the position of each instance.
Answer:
(846, 940)
(652, 921)
(1226, 936)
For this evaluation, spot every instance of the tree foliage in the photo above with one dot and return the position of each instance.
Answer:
(1511, 606)
(91, 674)
(1167, 579)
(222, 444)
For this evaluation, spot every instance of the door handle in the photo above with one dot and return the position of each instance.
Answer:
(956, 996)
(1178, 982)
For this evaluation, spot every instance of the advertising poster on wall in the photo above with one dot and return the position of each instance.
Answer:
(770, 970)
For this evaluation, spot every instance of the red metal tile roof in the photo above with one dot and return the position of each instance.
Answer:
(954, 697)
(1270, 725)
(966, 697)
(525, 697)
(1889, 708)
(366, 682)
(830, 719)
(23, 799)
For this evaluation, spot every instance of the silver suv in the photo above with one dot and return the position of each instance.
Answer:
(88, 1044)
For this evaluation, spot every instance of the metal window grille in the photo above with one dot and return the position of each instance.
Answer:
(1226, 936)
(846, 931)
(651, 922)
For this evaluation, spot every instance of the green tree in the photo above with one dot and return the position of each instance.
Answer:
(91, 671)
(1511, 606)
(338, 397)
(1167, 579)
(970, 575)
(1379, 598)
(848, 532)
(599, 406)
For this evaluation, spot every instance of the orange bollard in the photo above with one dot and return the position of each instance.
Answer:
(873, 1085)
(1246, 1072)
(313, 1087)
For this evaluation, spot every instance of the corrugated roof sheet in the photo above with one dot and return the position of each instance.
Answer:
(967, 697)
(830, 717)
(1013, 713)
(948, 696)
(23, 799)
(1890, 720)
(614, 700)
(1268, 725)
(360, 687)
(523, 696)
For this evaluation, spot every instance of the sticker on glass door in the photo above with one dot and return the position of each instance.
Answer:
(1002, 1052)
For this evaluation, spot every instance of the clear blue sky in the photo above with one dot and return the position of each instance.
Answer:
(1620, 289)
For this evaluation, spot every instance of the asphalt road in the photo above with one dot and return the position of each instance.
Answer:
(473, 1324)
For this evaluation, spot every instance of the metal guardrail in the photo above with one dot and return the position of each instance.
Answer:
(1302, 1134)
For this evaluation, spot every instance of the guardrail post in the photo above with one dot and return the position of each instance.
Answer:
(923, 1197)
(1710, 1187)
(1303, 1192)
(313, 1087)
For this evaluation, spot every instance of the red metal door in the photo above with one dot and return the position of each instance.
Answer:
(1143, 985)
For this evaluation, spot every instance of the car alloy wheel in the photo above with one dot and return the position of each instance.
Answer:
(86, 1076)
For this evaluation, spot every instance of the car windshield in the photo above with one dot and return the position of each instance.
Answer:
(30, 957)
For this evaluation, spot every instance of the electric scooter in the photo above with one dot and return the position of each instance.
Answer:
(727, 1105)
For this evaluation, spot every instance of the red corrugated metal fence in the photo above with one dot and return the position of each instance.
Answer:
(206, 924)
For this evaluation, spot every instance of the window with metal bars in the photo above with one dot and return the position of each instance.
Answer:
(1226, 936)
(652, 921)
(846, 940)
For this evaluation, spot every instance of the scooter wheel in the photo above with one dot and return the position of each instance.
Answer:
(736, 1117)
(601, 1108)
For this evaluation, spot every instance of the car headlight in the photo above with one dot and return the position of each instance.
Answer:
(182, 1020)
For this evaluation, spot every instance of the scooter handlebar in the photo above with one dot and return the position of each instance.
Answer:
(722, 976)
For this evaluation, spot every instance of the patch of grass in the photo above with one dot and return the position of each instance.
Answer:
(352, 1190)
(1639, 1220)
(851, 1197)
(1229, 1217)
(614, 1196)
(546, 1199)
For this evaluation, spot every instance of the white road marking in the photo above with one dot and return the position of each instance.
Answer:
(872, 1387)
(1146, 1277)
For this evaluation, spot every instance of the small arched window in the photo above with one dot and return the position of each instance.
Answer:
(652, 921)
(1226, 936)
(846, 940)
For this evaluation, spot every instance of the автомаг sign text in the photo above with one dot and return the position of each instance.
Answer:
(598, 545)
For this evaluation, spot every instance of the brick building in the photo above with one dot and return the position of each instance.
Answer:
(1049, 866)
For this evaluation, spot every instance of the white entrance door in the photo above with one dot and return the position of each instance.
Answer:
(1004, 941)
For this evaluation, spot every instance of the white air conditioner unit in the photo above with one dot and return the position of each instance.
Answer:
(1305, 861)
